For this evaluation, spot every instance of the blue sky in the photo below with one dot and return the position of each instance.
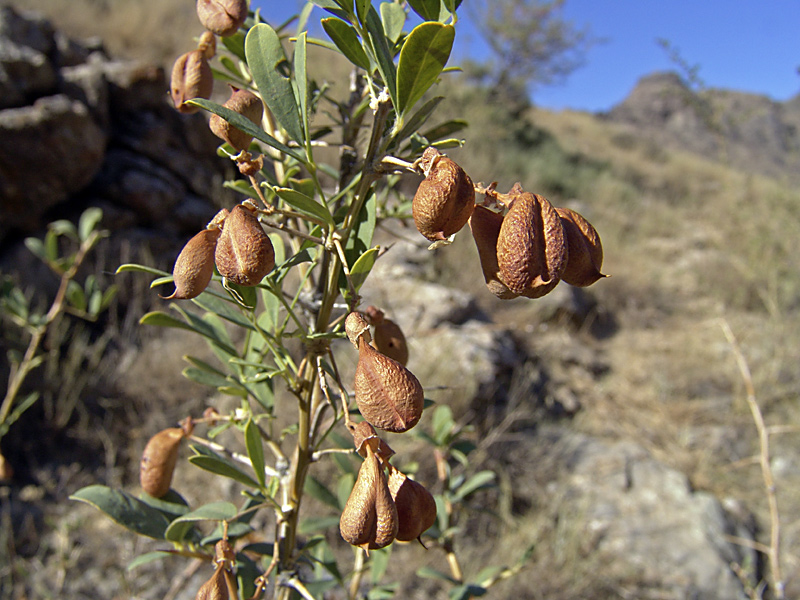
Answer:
(746, 45)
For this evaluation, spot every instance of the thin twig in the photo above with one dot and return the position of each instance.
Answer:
(766, 468)
(358, 571)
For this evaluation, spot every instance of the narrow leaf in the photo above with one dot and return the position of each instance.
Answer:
(305, 205)
(255, 450)
(162, 319)
(316, 489)
(425, 53)
(360, 271)
(270, 70)
(427, 9)
(139, 269)
(126, 510)
(148, 557)
(88, 221)
(346, 39)
(418, 118)
(246, 125)
(431, 573)
(383, 54)
(301, 80)
(393, 18)
(479, 480)
(221, 466)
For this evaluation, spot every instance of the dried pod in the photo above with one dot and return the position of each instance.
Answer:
(585, 249)
(444, 199)
(369, 518)
(158, 461)
(244, 103)
(416, 508)
(356, 326)
(194, 266)
(531, 249)
(221, 585)
(485, 226)
(6, 472)
(388, 395)
(191, 78)
(223, 17)
(207, 44)
(388, 338)
(244, 252)
(364, 435)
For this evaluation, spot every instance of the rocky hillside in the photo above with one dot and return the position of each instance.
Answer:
(748, 131)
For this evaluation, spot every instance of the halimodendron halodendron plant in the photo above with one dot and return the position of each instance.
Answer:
(299, 282)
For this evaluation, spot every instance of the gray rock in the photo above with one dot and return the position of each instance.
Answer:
(48, 151)
(642, 519)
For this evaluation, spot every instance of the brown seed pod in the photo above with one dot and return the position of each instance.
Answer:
(531, 249)
(388, 338)
(191, 78)
(585, 249)
(223, 17)
(369, 518)
(485, 226)
(388, 395)
(416, 508)
(244, 103)
(364, 435)
(207, 44)
(222, 584)
(444, 199)
(158, 461)
(244, 253)
(194, 266)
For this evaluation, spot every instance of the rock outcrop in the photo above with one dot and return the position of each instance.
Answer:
(749, 131)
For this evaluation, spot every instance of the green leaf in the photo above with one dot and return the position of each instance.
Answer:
(75, 296)
(465, 591)
(362, 9)
(417, 119)
(162, 319)
(216, 464)
(140, 269)
(305, 204)
(148, 557)
(88, 222)
(360, 271)
(480, 480)
(64, 227)
(20, 406)
(393, 18)
(383, 54)
(223, 308)
(36, 247)
(205, 378)
(346, 39)
(427, 9)
(425, 53)
(431, 573)
(335, 8)
(445, 129)
(255, 450)
(126, 510)
(270, 69)
(316, 489)
(172, 504)
(379, 562)
(246, 125)
(235, 43)
(216, 511)
(442, 424)
(301, 80)
(344, 486)
(383, 592)
(315, 524)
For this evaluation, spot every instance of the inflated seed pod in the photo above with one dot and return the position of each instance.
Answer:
(222, 584)
(444, 199)
(485, 226)
(416, 508)
(369, 518)
(364, 435)
(207, 45)
(388, 395)
(194, 266)
(585, 249)
(388, 338)
(531, 248)
(244, 103)
(158, 461)
(191, 78)
(223, 17)
(244, 253)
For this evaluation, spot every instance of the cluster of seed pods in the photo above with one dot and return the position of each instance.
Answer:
(525, 244)
(383, 507)
(192, 76)
(235, 242)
